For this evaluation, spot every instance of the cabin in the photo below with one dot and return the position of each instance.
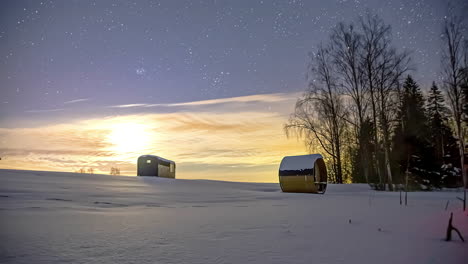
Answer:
(303, 174)
(150, 165)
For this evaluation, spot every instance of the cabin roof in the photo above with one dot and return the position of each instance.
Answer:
(157, 157)
(301, 162)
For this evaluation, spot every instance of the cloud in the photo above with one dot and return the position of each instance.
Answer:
(215, 123)
(259, 98)
(77, 101)
(129, 105)
(263, 98)
(57, 109)
(45, 110)
(238, 138)
(52, 152)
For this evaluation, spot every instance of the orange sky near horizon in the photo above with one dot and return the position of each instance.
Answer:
(231, 139)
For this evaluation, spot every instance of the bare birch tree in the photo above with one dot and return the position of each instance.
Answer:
(320, 113)
(353, 86)
(383, 68)
(346, 45)
(453, 70)
(374, 31)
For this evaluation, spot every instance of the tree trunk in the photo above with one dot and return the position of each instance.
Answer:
(376, 141)
(387, 161)
(365, 163)
(339, 175)
(462, 161)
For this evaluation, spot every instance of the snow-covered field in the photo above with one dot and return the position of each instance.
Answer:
(51, 217)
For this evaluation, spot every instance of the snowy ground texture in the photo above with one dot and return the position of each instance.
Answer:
(51, 217)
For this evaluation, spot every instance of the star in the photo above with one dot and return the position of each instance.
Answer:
(140, 71)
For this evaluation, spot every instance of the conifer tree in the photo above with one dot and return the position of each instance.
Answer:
(441, 134)
(412, 150)
(464, 87)
(445, 150)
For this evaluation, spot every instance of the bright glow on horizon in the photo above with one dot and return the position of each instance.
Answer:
(237, 139)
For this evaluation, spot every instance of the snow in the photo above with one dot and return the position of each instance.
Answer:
(53, 217)
(301, 162)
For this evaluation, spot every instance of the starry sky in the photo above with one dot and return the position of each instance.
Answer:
(204, 71)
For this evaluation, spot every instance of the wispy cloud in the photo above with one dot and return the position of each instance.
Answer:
(263, 98)
(45, 110)
(129, 105)
(77, 101)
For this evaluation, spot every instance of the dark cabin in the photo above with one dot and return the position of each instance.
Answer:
(150, 165)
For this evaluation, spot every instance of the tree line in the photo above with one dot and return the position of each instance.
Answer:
(371, 119)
